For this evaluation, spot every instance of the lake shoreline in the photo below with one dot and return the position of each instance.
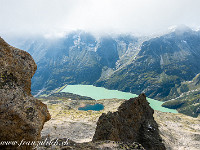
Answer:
(98, 93)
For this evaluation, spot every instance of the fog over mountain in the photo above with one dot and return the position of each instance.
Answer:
(138, 46)
(73, 61)
(56, 17)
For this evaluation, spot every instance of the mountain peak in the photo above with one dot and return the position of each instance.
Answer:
(180, 29)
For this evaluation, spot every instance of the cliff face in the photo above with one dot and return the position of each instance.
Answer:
(133, 122)
(21, 115)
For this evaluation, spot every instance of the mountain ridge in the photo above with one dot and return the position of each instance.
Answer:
(156, 66)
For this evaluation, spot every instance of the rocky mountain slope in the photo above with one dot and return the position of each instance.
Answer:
(160, 66)
(178, 131)
(156, 66)
(189, 100)
(78, 58)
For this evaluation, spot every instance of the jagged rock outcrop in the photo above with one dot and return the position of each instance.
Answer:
(21, 115)
(133, 122)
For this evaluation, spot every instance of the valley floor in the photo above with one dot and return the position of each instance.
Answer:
(178, 131)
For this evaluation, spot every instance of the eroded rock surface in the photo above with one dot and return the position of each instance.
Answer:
(133, 122)
(21, 115)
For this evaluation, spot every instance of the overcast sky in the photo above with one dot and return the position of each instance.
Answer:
(53, 17)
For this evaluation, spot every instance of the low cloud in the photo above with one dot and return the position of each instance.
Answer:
(49, 17)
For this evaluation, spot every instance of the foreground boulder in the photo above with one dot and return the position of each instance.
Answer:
(133, 122)
(21, 115)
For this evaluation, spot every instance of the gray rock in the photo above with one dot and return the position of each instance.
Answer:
(133, 122)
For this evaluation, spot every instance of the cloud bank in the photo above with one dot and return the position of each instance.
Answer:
(54, 17)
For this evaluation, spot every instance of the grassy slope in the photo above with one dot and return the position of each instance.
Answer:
(189, 100)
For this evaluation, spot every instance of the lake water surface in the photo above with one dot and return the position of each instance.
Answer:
(102, 93)
(95, 107)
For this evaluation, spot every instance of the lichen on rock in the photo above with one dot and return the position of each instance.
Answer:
(21, 115)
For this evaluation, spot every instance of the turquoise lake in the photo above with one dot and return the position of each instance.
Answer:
(95, 107)
(102, 93)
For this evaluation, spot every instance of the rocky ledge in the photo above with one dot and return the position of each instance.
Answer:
(21, 115)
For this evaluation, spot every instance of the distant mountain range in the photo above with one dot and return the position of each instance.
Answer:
(78, 58)
(163, 67)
